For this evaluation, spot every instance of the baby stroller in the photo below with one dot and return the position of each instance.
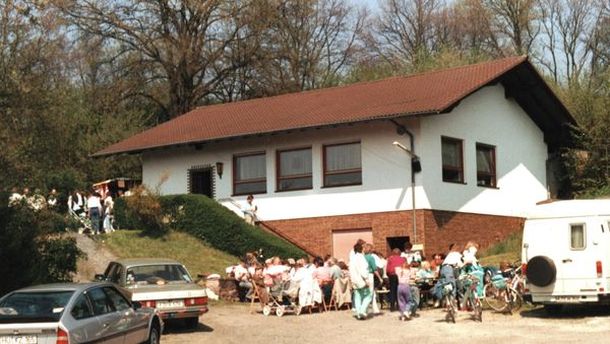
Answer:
(279, 298)
(282, 298)
(84, 221)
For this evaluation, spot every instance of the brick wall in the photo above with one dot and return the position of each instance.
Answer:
(435, 228)
(446, 227)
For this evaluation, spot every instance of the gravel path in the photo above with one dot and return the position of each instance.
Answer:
(232, 323)
(96, 260)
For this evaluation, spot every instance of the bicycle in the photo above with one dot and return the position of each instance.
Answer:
(471, 296)
(449, 301)
(501, 296)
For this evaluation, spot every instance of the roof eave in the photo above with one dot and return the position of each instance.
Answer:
(140, 150)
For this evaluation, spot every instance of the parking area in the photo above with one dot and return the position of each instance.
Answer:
(232, 323)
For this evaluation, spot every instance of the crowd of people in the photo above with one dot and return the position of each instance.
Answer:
(89, 207)
(36, 200)
(400, 280)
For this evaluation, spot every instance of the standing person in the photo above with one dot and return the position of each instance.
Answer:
(94, 205)
(408, 252)
(405, 300)
(373, 273)
(359, 274)
(394, 261)
(250, 210)
(15, 197)
(52, 199)
(108, 214)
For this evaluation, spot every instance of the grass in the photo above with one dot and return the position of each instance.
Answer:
(507, 250)
(198, 257)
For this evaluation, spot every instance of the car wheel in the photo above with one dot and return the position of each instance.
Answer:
(154, 337)
(541, 271)
(191, 322)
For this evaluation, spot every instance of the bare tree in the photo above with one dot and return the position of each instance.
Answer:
(307, 44)
(183, 44)
(405, 30)
(517, 21)
(471, 29)
(568, 27)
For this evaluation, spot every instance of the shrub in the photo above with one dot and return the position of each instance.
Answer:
(218, 226)
(32, 251)
(144, 207)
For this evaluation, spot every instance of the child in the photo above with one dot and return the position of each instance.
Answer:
(405, 301)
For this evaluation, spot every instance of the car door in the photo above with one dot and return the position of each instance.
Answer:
(85, 325)
(110, 320)
(134, 326)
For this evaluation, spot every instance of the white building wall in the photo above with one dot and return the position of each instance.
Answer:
(484, 117)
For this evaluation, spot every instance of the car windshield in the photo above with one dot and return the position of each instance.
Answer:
(23, 307)
(157, 274)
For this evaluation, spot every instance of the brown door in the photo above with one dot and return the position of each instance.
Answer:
(344, 240)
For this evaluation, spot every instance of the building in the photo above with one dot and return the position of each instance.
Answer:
(325, 170)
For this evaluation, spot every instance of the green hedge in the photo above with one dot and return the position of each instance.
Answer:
(213, 223)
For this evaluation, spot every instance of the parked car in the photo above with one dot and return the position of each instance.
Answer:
(163, 284)
(76, 313)
(566, 246)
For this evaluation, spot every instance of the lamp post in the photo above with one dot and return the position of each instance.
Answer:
(415, 165)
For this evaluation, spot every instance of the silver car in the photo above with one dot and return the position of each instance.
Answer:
(163, 284)
(75, 313)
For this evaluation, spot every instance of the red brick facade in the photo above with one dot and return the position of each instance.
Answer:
(436, 229)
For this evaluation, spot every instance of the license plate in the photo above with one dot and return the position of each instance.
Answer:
(169, 304)
(18, 339)
(566, 298)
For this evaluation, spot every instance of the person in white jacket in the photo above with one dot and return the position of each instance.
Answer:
(358, 271)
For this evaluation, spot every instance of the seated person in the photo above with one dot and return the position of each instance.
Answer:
(425, 273)
(322, 275)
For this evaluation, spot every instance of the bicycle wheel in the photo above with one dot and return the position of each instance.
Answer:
(495, 298)
(478, 309)
(515, 301)
(451, 307)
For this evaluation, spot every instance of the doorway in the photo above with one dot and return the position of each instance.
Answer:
(201, 182)
(397, 242)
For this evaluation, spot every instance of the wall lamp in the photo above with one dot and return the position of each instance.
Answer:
(219, 169)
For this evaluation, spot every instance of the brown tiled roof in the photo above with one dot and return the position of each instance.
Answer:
(433, 92)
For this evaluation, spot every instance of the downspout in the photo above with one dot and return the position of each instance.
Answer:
(401, 130)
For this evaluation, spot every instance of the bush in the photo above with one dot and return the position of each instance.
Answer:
(142, 210)
(218, 226)
(32, 251)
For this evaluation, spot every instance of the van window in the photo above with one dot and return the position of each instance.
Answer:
(577, 236)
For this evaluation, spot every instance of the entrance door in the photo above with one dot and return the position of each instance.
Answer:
(201, 181)
(344, 240)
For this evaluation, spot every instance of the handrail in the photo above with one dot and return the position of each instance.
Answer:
(274, 231)
(269, 228)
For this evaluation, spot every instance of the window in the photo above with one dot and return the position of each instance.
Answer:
(577, 236)
(81, 309)
(453, 168)
(294, 169)
(342, 165)
(118, 301)
(101, 304)
(249, 174)
(486, 165)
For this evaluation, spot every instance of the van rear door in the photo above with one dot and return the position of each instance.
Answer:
(577, 261)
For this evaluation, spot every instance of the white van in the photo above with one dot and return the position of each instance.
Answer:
(566, 247)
